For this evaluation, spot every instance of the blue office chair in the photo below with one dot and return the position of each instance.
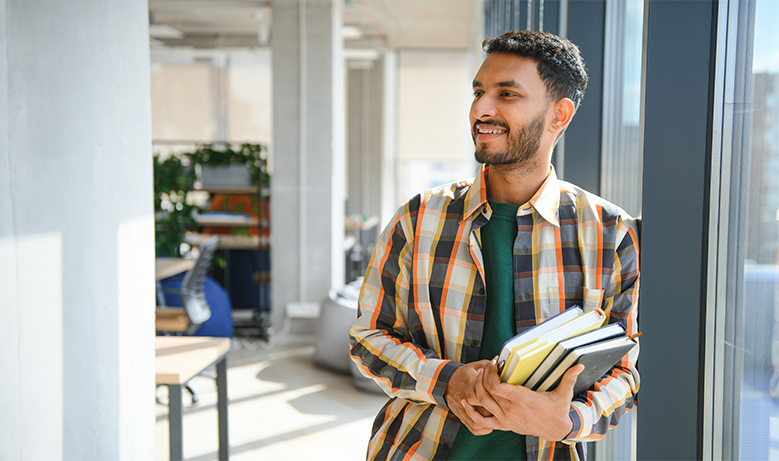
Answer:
(185, 304)
(195, 304)
(221, 321)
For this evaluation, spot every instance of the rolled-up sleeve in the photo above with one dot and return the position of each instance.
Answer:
(382, 341)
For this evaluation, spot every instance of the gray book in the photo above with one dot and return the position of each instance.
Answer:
(564, 347)
(597, 358)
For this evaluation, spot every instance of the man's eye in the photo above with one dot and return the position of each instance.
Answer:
(506, 94)
(476, 94)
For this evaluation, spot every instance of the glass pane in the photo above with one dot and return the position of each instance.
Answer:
(620, 180)
(750, 363)
(620, 151)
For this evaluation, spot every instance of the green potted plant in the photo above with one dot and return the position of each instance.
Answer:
(173, 179)
(247, 165)
(175, 176)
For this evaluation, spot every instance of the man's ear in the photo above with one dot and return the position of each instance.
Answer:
(562, 115)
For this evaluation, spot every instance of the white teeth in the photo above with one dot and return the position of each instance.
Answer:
(490, 131)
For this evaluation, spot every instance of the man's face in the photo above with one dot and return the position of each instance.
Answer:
(509, 111)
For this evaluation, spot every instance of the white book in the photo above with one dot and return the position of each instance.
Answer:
(537, 331)
(524, 360)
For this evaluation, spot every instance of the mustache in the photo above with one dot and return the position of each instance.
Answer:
(490, 122)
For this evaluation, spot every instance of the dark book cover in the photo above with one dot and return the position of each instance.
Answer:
(597, 359)
(563, 348)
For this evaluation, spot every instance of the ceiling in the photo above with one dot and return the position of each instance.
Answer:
(368, 24)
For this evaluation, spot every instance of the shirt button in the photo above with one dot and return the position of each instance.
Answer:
(484, 210)
(474, 343)
(481, 291)
(445, 447)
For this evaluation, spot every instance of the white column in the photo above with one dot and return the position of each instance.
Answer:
(389, 130)
(307, 197)
(371, 135)
(76, 231)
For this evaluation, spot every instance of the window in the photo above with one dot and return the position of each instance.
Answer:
(620, 148)
(744, 337)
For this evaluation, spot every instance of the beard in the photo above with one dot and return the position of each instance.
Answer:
(522, 146)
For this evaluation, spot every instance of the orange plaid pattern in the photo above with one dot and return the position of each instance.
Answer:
(422, 306)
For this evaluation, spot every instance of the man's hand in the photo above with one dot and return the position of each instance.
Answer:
(518, 409)
(462, 386)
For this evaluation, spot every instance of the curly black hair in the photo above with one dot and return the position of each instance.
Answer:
(559, 62)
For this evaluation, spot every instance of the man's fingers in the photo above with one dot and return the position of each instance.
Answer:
(474, 394)
(490, 379)
(569, 378)
(482, 397)
(477, 424)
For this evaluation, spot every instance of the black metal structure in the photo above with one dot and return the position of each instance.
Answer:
(676, 173)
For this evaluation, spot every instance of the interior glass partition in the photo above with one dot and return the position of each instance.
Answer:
(744, 400)
(620, 180)
(620, 165)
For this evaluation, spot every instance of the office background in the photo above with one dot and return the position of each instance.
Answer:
(679, 126)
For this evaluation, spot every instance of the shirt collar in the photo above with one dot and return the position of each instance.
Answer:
(477, 194)
(546, 200)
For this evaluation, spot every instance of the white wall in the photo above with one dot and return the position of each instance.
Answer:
(182, 107)
(251, 96)
(76, 231)
(189, 91)
(434, 141)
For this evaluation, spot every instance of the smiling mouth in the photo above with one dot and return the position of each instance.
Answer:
(489, 128)
(495, 131)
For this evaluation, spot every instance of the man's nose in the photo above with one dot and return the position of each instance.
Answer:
(483, 108)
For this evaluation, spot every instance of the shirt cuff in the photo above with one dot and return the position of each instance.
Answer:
(444, 372)
(576, 419)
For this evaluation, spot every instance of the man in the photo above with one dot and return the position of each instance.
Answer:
(463, 267)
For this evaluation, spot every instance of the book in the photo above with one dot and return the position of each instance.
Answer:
(523, 360)
(534, 332)
(597, 358)
(564, 347)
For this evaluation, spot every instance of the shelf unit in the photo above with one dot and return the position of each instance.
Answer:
(243, 252)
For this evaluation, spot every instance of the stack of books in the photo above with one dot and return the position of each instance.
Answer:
(538, 357)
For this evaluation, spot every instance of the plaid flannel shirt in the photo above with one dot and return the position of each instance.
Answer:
(421, 311)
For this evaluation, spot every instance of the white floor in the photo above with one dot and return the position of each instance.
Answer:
(282, 407)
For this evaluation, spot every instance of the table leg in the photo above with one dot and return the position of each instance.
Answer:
(221, 389)
(175, 420)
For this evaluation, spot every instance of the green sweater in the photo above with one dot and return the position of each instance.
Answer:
(497, 244)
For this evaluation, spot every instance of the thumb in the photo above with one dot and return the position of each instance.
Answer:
(569, 378)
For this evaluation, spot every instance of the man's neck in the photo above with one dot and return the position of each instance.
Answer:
(517, 187)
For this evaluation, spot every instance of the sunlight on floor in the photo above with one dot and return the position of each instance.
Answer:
(282, 407)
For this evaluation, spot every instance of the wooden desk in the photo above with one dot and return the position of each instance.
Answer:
(231, 242)
(179, 359)
(168, 267)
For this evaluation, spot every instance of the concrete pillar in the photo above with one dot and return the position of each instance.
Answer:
(389, 158)
(76, 231)
(365, 137)
(307, 196)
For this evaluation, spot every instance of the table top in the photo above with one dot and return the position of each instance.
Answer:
(179, 358)
(168, 267)
(231, 242)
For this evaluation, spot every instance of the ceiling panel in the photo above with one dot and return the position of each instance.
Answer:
(431, 24)
(447, 24)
